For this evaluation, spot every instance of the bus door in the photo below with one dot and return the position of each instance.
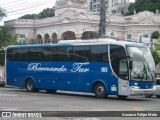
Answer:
(119, 70)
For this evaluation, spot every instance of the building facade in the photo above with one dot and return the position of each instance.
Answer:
(73, 21)
(112, 6)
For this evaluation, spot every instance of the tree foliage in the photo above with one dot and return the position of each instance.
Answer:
(155, 35)
(29, 16)
(49, 12)
(2, 13)
(5, 40)
(156, 53)
(142, 5)
(5, 35)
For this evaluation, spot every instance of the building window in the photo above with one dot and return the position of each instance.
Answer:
(129, 36)
(21, 35)
(145, 36)
(112, 34)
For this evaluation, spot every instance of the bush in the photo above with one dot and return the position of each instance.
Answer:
(155, 35)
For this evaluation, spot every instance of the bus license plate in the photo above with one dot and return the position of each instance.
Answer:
(146, 92)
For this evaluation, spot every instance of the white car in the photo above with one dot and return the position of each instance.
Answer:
(158, 86)
(158, 91)
(157, 94)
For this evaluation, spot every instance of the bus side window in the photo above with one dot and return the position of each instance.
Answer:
(34, 54)
(57, 54)
(81, 53)
(64, 53)
(49, 54)
(20, 54)
(11, 54)
(99, 53)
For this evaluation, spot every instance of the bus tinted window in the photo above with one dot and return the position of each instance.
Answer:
(34, 54)
(49, 54)
(10, 54)
(99, 53)
(81, 53)
(64, 53)
(57, 54)
(17, 54)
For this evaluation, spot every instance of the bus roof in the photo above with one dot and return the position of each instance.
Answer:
(81, 42)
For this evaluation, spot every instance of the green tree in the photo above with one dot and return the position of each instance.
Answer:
(2, 55)
(155, 35)
(5, 40)
(142, 5)
(49, 12)
(2, 13)
(5, 35)
(156, 53)
(29, 16)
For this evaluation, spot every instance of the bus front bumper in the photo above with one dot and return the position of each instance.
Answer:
(135, 91)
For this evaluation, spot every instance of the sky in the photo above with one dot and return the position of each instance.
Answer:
(18, 8)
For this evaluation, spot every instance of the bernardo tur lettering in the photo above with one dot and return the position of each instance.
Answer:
(37, 67)
(76, 67)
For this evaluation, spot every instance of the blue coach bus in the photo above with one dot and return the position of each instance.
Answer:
(100, 67)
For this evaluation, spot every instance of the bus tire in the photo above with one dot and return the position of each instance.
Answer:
(122, 97)
(51, 91)
(100, 90)
(30, 86)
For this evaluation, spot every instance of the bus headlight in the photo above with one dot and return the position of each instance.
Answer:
(154, 87)
(135, 87)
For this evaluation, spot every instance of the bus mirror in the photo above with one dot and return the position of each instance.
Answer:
(130, 65)
(130, 62)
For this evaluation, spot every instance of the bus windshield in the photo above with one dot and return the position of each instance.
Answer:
(143, 64)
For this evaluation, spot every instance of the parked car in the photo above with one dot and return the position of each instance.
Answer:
(2, 82)
(158, 86)
(157, 94)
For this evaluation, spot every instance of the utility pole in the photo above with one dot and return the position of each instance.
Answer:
(102, 23)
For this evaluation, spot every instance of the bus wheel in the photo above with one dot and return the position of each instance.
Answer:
(158, 96)
(30, 85)
(122, 97)
(100, 90)
(51, 91)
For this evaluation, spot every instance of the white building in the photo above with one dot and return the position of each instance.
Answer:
(112, 6)
(94, 5)
(73, 21)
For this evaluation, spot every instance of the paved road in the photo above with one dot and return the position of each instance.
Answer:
(15, 99)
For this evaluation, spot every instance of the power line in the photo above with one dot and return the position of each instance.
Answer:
(9, 2)
(29, 7)
(23, 4)
(12, 6)
(11, 14)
